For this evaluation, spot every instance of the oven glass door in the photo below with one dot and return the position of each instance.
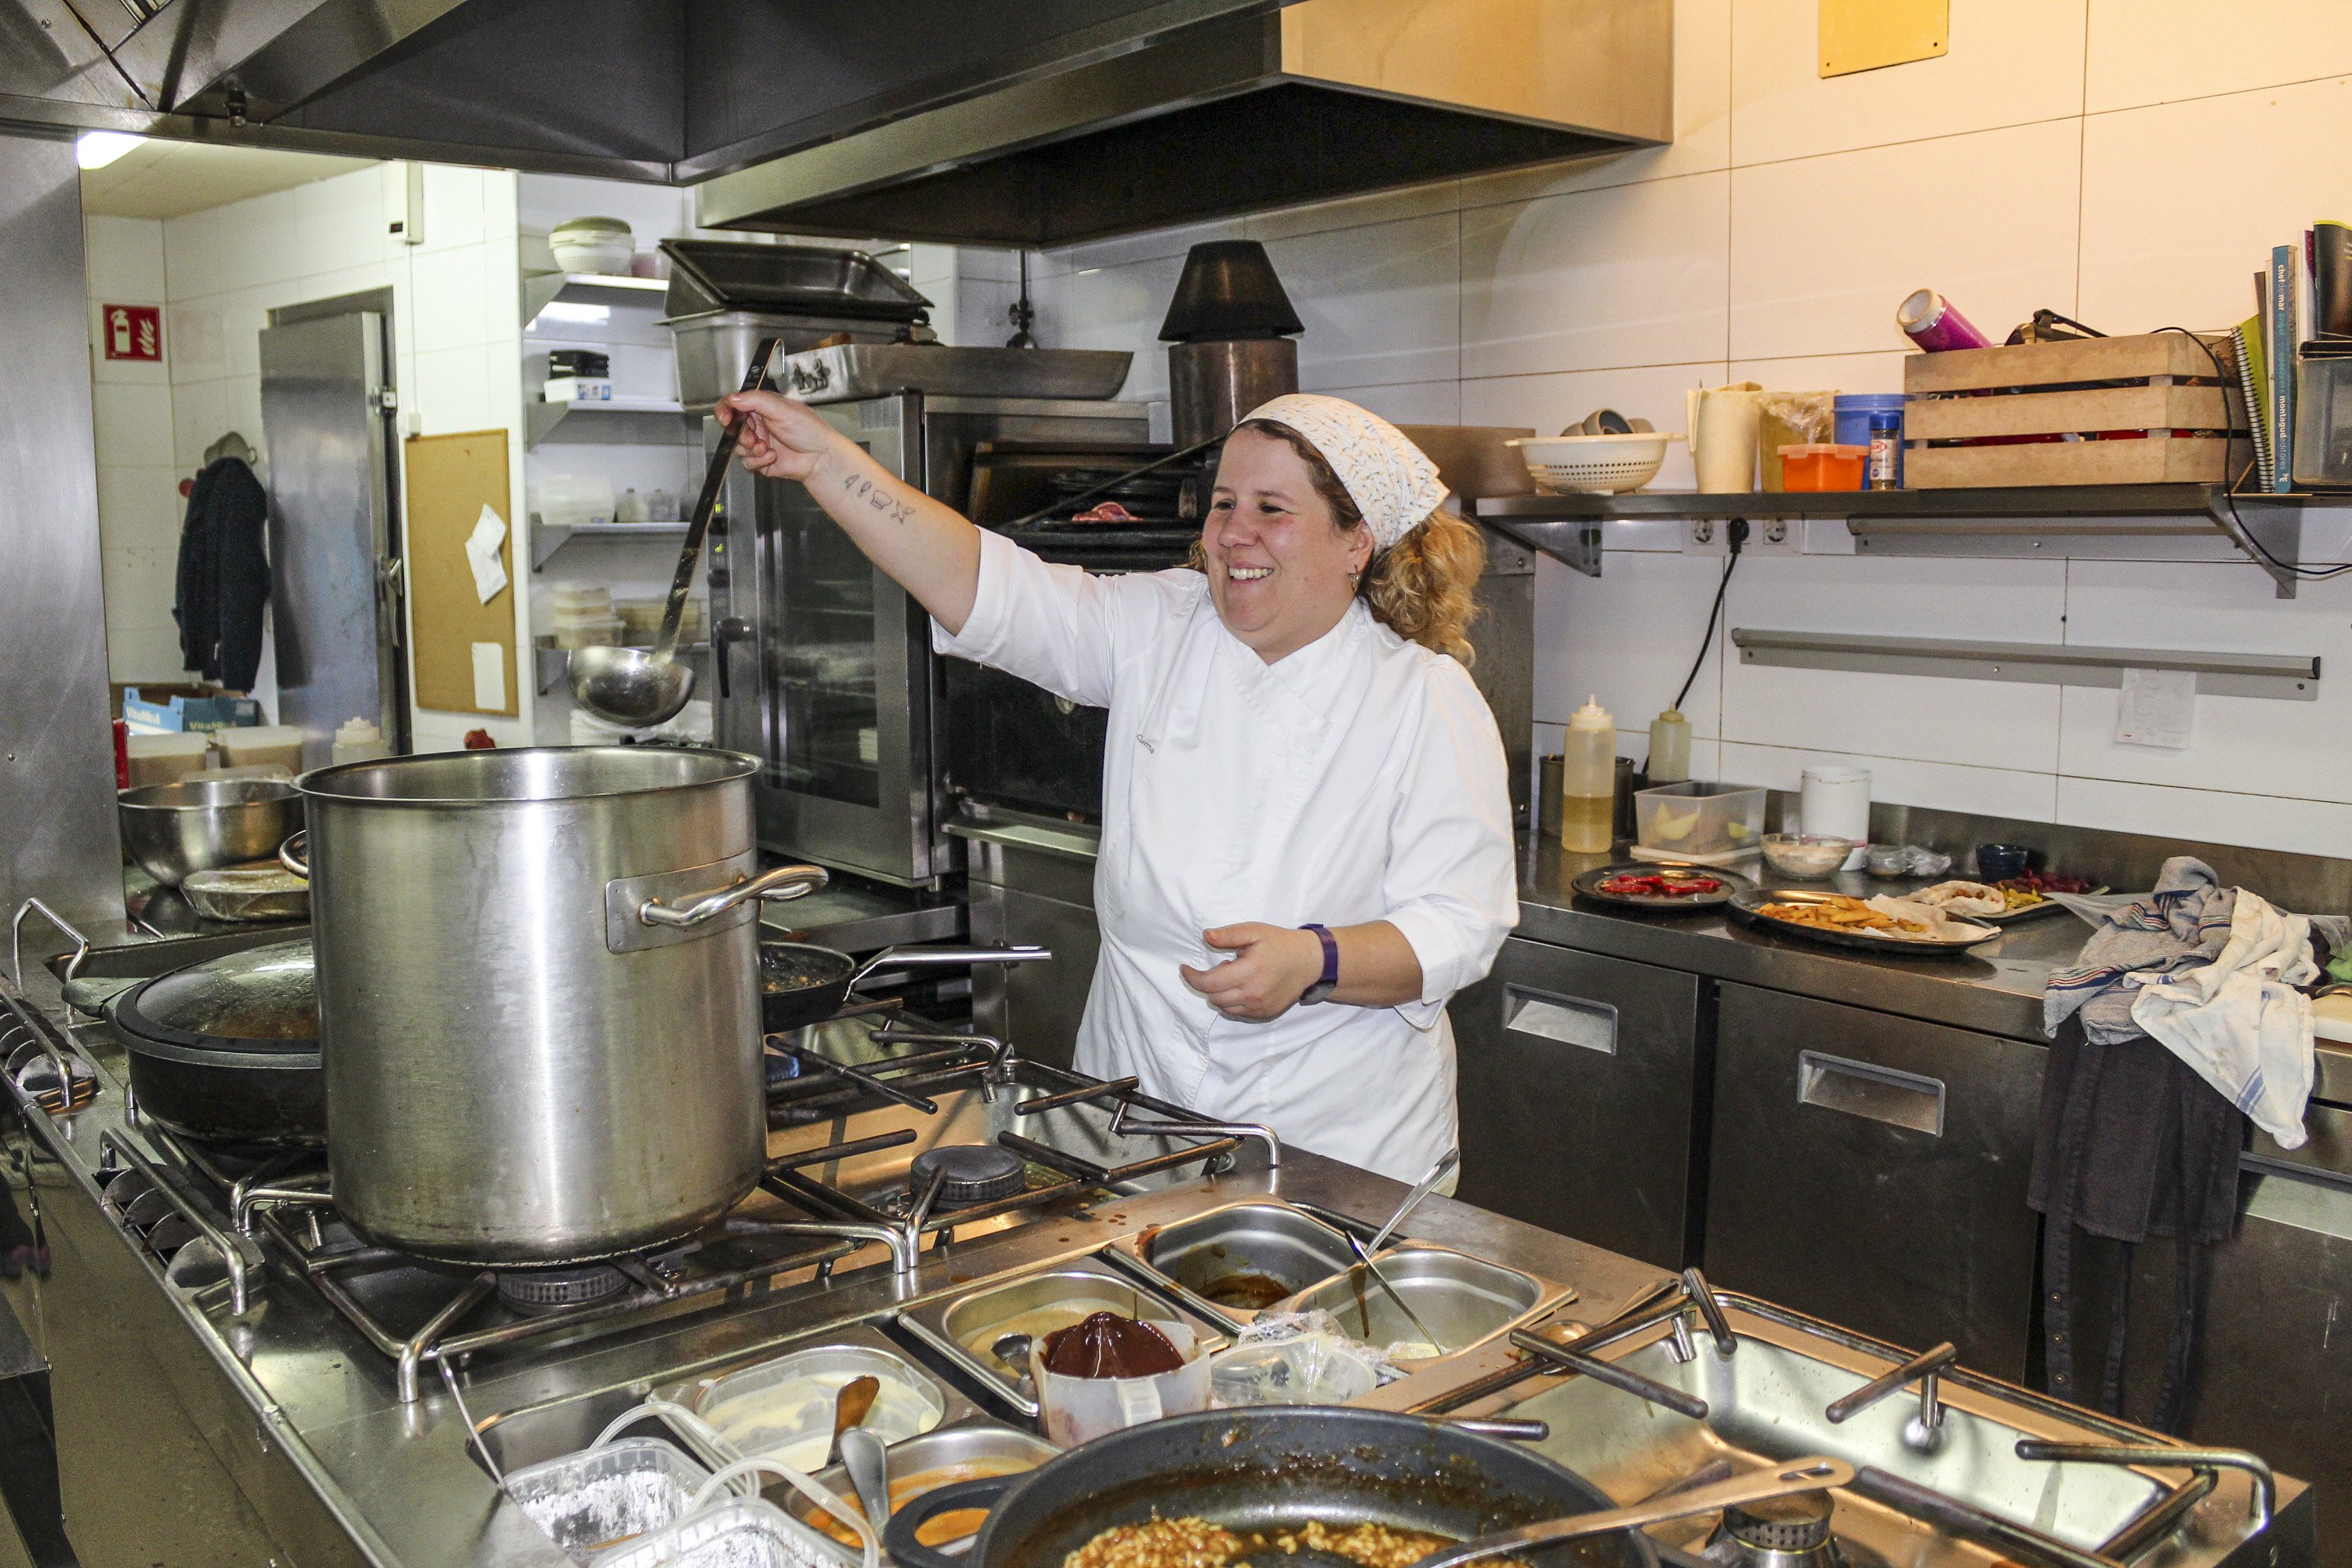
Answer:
(829, 680)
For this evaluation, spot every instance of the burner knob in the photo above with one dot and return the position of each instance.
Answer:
(1800, 1523)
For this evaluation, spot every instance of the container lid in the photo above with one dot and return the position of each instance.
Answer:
(1867, 401)
(1823, 449)
(1675, 715)
(587, 225)
(259, 999)
(1228, 290)
(354, 731)
(1591, 716)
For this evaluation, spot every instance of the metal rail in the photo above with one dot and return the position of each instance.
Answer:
(232, 1248)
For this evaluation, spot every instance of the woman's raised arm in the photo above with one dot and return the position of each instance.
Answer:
(932, 551)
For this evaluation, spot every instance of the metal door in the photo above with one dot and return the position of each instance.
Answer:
(1578, 1077)
(334, 547)
(1872, 1170)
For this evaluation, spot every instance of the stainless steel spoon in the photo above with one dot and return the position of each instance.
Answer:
(644, 687)
(868, 1464)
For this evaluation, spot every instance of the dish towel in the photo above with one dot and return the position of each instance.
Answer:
(2240, 1022)
(2185, 923)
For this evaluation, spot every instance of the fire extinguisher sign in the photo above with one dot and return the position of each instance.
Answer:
(133, 331)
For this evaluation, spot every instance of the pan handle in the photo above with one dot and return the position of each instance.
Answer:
(295, 854)
(898, 1540)
(784, 882)
(940, 956)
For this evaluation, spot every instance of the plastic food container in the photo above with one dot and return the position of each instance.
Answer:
(1078, 1409)
(1854, 410)
(1822, 466)
(587, 1502)
(162, 759)
(259, 745)
(1696, 818)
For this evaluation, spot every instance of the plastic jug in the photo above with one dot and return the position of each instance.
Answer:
(1670, 738)
(1587, 779)
(1078, 1408)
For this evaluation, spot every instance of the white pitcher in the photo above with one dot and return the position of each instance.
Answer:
(1722, 427)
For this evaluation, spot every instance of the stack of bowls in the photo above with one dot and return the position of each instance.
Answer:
(599, 245)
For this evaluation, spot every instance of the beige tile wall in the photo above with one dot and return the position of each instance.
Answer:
(2129, 161)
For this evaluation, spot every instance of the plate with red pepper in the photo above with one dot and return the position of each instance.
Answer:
(1653, 884)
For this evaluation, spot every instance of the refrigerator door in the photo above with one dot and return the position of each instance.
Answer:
(334, 549)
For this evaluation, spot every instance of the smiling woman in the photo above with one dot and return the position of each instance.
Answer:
(1306, 841)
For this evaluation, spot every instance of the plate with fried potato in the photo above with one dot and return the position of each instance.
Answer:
(1874, 925)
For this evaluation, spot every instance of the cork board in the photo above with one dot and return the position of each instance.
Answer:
(450, 479)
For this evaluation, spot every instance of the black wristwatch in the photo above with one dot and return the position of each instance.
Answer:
(1329, 980)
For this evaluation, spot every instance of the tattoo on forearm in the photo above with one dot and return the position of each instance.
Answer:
(881, 501)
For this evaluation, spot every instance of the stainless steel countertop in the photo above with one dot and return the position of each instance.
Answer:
(399, 1479)
(1995, 989)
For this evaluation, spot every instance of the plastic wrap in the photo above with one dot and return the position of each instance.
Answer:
(1790, 419)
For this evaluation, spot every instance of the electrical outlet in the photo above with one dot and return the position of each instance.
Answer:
(1775, 536)
(1702, 536)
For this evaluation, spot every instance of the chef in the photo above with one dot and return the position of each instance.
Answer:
(1307, 824)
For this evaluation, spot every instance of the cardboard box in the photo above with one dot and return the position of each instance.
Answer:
(165, 715)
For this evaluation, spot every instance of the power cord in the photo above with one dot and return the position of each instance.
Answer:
(2230, 484)
(1735, 534)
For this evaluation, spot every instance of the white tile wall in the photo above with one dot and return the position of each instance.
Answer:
(2129, 161)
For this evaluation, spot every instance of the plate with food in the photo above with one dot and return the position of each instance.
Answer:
(1882, 925)
(2004, 902)
(1659, 885)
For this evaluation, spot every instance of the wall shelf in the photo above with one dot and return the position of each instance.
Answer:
(2287, 677)
(621, 422)
(2055, 521)
(541, 289)
(547, 538)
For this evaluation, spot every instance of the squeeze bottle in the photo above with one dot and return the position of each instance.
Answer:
(1587, 779)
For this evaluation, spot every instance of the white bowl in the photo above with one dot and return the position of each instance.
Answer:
(597, 251)
(1808, 857)
(1602, 465)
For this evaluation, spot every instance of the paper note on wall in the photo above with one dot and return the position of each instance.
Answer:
(2159, 707)
(490, 677)
(482, 555)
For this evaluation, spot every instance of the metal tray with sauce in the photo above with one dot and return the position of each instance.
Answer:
(1242, 1258)
(962, 1327)
(938, 1458)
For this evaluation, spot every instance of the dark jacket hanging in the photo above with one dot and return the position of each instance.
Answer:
(224, 578)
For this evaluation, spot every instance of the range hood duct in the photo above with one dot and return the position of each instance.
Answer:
(1320, 99)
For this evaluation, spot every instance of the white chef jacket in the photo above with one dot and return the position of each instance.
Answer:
(1361, 778)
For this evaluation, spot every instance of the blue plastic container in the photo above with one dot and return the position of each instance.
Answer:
(1852, 411)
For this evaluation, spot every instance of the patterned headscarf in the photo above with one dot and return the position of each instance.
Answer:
(1392, 483)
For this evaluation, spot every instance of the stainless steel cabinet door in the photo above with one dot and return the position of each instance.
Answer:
(1576, 1080)
(1872, 1170)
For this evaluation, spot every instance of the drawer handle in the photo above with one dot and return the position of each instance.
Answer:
(1869, 1090)
(1570, 1020)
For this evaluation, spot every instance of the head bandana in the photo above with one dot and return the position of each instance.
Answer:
(1390, 480)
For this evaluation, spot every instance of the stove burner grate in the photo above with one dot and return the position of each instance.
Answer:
(976, 1174)
(532, 1291)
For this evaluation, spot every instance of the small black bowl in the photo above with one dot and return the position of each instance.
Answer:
(1998, 862)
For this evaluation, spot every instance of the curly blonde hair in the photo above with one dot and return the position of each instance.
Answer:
(1424, 586)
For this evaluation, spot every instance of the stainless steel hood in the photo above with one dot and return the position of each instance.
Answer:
(1322, 98)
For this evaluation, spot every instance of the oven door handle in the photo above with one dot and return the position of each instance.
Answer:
(723, 638)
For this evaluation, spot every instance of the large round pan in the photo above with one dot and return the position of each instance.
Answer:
(801, 984)
(226, 1052)
(1266, 1469)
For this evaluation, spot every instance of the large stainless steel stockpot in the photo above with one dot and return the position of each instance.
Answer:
(538, 996)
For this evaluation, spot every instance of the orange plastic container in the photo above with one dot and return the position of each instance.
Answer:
(1822, 466)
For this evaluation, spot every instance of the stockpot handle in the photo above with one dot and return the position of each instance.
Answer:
(784, 882)
(898, 1543)
(295, 854)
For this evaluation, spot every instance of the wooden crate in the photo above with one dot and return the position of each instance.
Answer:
(2148, 383)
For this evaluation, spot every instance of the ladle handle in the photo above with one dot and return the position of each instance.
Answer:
(714, 479)
(1421, 1189)
(1818, 1473)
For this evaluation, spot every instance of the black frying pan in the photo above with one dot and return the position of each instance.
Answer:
(801, 984)
(1265, 1469)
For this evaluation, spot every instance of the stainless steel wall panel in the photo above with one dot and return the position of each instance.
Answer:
(57, 753)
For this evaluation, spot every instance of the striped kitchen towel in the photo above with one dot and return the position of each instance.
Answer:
(2184, 923)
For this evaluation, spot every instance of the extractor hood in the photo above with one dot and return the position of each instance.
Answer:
(1318, 100)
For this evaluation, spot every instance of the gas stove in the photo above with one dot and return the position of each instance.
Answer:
(889, 1135)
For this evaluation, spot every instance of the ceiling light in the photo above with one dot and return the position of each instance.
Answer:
(97, 149)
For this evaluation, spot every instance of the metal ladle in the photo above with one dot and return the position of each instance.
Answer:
(643, 687)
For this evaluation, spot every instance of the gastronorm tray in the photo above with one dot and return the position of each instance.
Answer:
(1744, 906)
(943, 1324)
(1587, 884)
(867, 1338)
